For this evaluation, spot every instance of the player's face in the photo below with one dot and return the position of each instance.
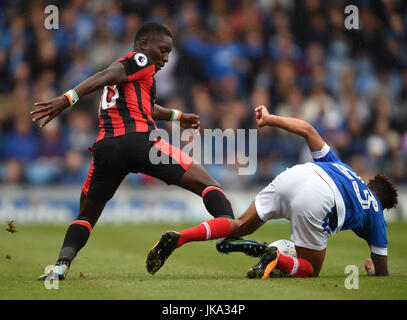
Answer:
(159, 49)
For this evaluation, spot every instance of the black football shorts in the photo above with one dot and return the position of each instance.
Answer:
(113, 158)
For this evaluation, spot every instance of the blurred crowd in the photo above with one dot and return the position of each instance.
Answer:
(295, 57)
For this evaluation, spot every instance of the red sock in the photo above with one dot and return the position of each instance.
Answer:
(296, 267)
(211, 229)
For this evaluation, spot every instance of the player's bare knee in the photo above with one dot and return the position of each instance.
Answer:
(205, 181)
(210, 183)
(92, 221)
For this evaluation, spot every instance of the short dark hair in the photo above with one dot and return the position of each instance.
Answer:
(384, 190)
(152, 29)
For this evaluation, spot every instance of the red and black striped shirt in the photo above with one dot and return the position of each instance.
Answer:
(128, 107)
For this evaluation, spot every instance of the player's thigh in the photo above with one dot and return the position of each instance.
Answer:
(106, 172)
(315, 257)
(310, 207)
(196, 179)
(171, 165)
(96, 192)
(307, 231)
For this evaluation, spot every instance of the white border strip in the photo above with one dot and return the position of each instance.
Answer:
(382, 251)
(295, 267)
(208, 230)
(322, 153)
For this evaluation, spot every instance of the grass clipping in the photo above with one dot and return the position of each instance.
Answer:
(11, 228)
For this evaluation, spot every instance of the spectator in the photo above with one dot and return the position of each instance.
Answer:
(295, 57)
(75, 168)
(51, 144)
(80, 131)
(12, 172)
(21, 142)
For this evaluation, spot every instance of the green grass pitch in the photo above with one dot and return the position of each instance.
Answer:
(112, 266)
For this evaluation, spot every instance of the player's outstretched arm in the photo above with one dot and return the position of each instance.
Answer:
(294, 125)
(48, 110)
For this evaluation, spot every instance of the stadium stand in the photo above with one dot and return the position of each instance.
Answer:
(295, 57)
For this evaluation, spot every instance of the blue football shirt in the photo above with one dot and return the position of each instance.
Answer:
(357, 208)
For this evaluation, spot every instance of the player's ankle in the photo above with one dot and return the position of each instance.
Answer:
(63, 261)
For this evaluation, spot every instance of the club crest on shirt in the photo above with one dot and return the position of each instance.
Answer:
(141, 59)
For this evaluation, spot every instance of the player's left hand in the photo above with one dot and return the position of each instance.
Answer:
(369, 267)
(190, 121)
(49, 109)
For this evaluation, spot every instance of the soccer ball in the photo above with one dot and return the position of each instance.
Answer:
(286, 247)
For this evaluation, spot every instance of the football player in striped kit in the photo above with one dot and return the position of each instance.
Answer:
(127, 114)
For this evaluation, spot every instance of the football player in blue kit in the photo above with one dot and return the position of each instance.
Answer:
(319, 199)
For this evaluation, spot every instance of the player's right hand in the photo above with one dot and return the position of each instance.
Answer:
(369, 267)
(190, 121)
(49, 109)
(261, 116)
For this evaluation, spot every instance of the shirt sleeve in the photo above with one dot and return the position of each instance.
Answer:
(377, 234)
(137, 66)
(326, 154)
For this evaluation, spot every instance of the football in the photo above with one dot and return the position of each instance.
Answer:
(286, 247)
